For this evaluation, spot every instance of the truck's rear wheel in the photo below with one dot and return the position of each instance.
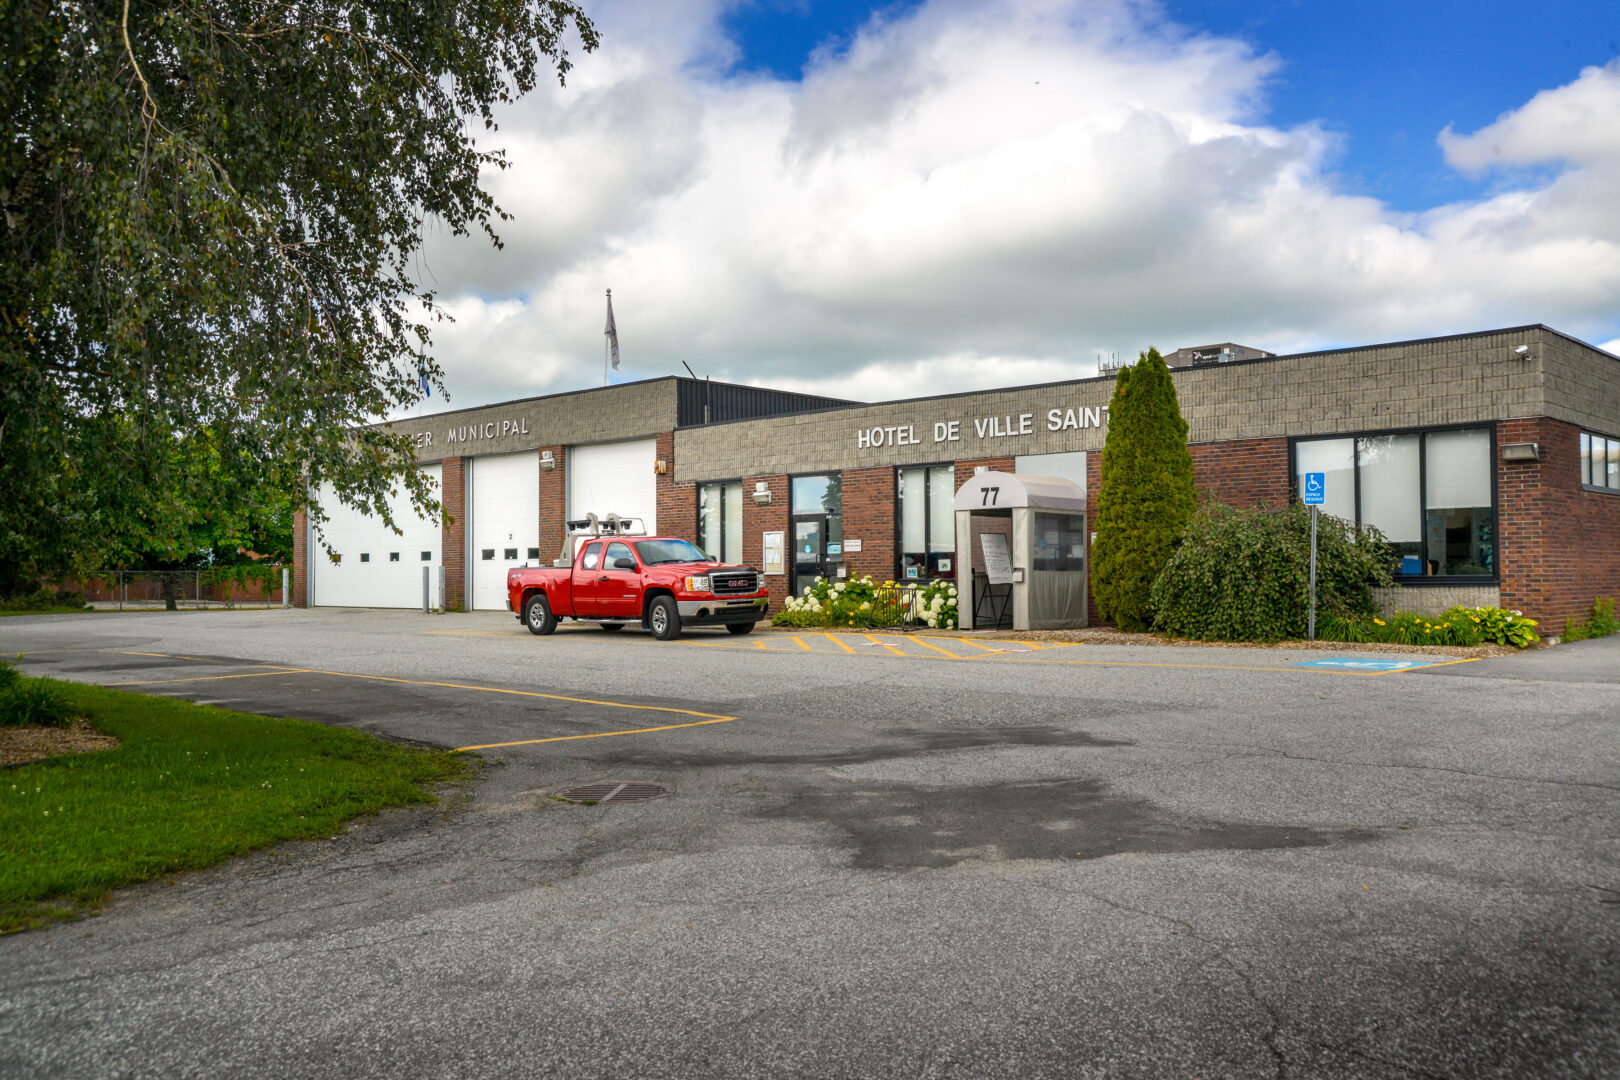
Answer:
(664, 618)
(537, 615)
(740, 628)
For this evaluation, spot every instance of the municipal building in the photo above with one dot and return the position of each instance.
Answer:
(1490, 460)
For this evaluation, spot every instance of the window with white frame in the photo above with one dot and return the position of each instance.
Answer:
(1431, 493)
(1600, 462)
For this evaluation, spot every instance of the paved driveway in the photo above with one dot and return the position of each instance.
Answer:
(895, 856)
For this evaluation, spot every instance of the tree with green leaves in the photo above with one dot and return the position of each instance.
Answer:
(1146, 495)
(210, 210)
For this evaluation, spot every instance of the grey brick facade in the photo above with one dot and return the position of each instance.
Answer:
(1464, 379)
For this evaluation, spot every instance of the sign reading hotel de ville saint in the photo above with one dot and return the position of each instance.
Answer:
(985, 427)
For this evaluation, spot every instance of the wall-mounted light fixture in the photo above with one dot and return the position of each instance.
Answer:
(762, 493)
(546, 460)
(660, 466)
(1521, 451)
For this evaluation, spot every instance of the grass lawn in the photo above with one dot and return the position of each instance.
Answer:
(190, 786)
(46, 611)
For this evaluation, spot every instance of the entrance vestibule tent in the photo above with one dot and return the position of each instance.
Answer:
(1023, 539)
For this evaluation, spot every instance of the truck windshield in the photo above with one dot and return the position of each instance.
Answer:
(654, 552)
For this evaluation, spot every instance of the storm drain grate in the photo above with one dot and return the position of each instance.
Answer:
(614, 791)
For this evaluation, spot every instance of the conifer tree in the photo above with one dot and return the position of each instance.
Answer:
(1146, 495)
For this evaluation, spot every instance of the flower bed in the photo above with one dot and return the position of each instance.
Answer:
(1458, 627)
(862, 604)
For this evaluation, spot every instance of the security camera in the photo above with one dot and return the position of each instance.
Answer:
(1522, 349)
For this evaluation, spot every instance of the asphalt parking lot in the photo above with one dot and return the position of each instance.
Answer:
(887, 855)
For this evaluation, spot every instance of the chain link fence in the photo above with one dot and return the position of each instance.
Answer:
(158, 590)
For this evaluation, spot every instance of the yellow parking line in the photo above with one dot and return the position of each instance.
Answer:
(167, 656)
(800, 643)
(210, 678)
(838, 643)
(1421, 667)
(894, 649)
(599, 734)
(980, 644)
(924, 643)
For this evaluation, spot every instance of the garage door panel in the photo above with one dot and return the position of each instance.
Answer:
(505, 522)
(377, 568)
(614, 478)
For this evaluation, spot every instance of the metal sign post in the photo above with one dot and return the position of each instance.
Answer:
(1315, 494)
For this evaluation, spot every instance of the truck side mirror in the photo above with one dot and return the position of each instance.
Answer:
(622, 563)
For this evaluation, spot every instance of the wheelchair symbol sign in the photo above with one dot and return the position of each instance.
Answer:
(1315, 492)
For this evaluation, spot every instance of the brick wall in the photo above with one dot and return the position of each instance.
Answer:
(869, 518)
(1246, 473)
(1558, 540)
(761, 519)
(553, 505)
(677, 502)
(964, 469)
(453, 533)
(300, 574)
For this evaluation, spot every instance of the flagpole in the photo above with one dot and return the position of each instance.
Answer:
(607, 343)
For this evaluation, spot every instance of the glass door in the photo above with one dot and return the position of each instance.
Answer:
(809, 550)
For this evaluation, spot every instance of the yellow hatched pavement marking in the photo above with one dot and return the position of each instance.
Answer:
(980, 645)
(924, 643)
(1421, 667)
(834, 639)
(800, 643)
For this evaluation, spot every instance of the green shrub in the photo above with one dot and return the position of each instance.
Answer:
(1601, 624)
(43, 599)
(1244, 575)
(1146, 493)
(9, 677)
(34, 701)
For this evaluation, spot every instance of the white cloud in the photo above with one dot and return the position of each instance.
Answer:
(979, 194)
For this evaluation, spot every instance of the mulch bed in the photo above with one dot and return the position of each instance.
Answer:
(25, 745)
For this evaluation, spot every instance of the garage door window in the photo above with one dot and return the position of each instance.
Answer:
(487, 554)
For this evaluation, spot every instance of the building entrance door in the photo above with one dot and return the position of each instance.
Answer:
(809, 550)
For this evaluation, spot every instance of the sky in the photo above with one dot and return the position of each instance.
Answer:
(877, 201)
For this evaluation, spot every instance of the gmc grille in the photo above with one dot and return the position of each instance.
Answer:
(732, 583)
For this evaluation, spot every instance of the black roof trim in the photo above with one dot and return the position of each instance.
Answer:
(599, 389)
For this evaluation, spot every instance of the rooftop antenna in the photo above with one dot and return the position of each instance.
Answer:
(705, 380)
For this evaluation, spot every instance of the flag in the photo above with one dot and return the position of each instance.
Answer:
(422, 379)
(612, 332)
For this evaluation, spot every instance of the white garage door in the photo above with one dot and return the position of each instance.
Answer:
(614, 478)
(375, 568)
(505, 523)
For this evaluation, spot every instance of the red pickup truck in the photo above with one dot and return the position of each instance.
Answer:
(661, 582)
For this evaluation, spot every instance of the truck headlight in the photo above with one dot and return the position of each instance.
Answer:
(697, 583)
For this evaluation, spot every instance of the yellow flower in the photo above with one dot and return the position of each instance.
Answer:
(1380, 622)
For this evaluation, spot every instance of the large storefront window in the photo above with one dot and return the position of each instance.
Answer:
(720, 521)
(1430, 493)
(927, 520)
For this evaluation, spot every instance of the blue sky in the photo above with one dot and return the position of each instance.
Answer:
(1387, 75)
(959, 194)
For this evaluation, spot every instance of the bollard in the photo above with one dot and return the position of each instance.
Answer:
(286, 587)
(425, 579)
(441, 588)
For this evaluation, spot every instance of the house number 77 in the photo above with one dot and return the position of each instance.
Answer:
(990, 496)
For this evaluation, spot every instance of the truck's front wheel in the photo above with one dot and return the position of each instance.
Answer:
(664, 618)
(537, 615)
